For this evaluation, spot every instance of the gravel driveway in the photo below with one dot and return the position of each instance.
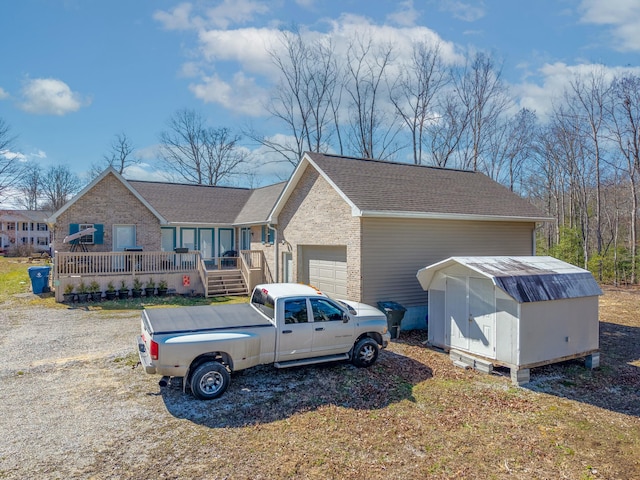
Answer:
(68, 390)
(74, 406)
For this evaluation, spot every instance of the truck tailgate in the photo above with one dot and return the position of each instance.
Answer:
(205, 317)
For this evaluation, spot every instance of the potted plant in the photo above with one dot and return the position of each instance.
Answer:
(94, 289)
(82, 292)
(136, 291)
(68, 293)
(150, 288)
(162, 288)
(123, 292)
(110, 293)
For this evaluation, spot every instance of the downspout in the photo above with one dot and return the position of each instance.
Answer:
(276, 252)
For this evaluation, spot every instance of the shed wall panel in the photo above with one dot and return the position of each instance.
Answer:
(546, 326)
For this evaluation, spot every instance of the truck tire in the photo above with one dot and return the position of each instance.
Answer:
(210, 380)
(365, 352)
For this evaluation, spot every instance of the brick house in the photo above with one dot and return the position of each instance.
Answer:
(357, 229)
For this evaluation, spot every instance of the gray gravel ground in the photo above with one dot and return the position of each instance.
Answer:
(73, 406)
(68, 390)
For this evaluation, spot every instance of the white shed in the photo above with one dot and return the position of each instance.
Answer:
(518, 312)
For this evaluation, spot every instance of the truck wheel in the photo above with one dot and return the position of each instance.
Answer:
(365, 353)
(210, 380)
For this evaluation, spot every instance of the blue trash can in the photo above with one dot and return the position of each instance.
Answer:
(39, 278)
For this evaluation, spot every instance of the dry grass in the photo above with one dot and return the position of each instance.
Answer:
(413, 415)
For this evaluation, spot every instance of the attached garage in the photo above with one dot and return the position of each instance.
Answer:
(326, 269)
(518, 312)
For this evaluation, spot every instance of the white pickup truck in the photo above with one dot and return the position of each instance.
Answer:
(285, 324)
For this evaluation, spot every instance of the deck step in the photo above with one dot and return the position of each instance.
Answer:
(228, 282)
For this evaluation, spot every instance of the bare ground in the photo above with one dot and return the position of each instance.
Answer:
(73, 406)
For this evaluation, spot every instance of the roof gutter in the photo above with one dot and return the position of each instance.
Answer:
(447, 216)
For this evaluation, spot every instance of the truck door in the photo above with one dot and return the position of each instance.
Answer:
(295, 331)
(331, 334)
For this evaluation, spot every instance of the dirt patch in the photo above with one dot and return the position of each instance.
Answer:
(74, 407)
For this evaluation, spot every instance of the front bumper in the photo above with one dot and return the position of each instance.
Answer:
(145, 360)
(386, 338)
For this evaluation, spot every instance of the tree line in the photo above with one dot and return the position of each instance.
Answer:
(580, 165)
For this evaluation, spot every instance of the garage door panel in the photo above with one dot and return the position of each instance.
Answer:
(327, 267)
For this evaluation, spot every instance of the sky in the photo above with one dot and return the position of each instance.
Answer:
(75, 73)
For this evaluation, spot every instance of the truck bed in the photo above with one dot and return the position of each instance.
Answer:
(202, 318)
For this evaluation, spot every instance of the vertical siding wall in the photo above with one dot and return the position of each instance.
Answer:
(108, 203)
(393, 250)
(316, 215)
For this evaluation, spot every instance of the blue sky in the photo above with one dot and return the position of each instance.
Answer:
(77, 72)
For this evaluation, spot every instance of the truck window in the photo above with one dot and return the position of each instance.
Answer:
(263, 302)
(295, 311)
(325, 311)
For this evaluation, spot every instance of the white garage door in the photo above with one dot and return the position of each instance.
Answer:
(327, 269)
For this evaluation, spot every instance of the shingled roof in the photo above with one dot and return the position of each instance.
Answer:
(259, 204)
(379, 188)
(179, 203)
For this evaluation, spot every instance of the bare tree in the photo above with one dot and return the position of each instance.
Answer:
(223, 156)
(484, 98)
(373, 133)
(510, 146)
(198, 154)
(304, 99)
(31, 186)
(587, 100)
(446, 132)
(59, 184)
(414, 93)
(11, 167)
(625, 131)
(120, 156)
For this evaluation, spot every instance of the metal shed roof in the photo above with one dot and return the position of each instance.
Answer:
(526, 279)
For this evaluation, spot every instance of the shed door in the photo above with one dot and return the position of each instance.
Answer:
(470, 312)
(456, 308)
(327, 269)
(482, 317)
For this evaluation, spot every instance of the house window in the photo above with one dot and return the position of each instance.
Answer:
(42, 227)
(267, 234)
(87, 239)
(11, 225)
(43, 241)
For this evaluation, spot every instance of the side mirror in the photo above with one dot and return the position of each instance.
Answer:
(345, 318)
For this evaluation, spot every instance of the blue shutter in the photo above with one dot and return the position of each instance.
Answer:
(74, 228)
(98, 235)
(264, 239)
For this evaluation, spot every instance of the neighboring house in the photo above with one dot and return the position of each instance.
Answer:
(355, 228)
(26, 228)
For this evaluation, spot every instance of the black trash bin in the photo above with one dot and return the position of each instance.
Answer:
(395, 313)
(39, 278)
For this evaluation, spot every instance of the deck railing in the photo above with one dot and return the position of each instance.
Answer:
(176, 268)
(110, 263)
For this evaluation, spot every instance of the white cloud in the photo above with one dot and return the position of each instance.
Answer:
(9, 155)
(406, 15)
(555, 78)
(623, 16)
(49, 96)
(223, 15)
(241, 95)
(462, 10)
(3, 94)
